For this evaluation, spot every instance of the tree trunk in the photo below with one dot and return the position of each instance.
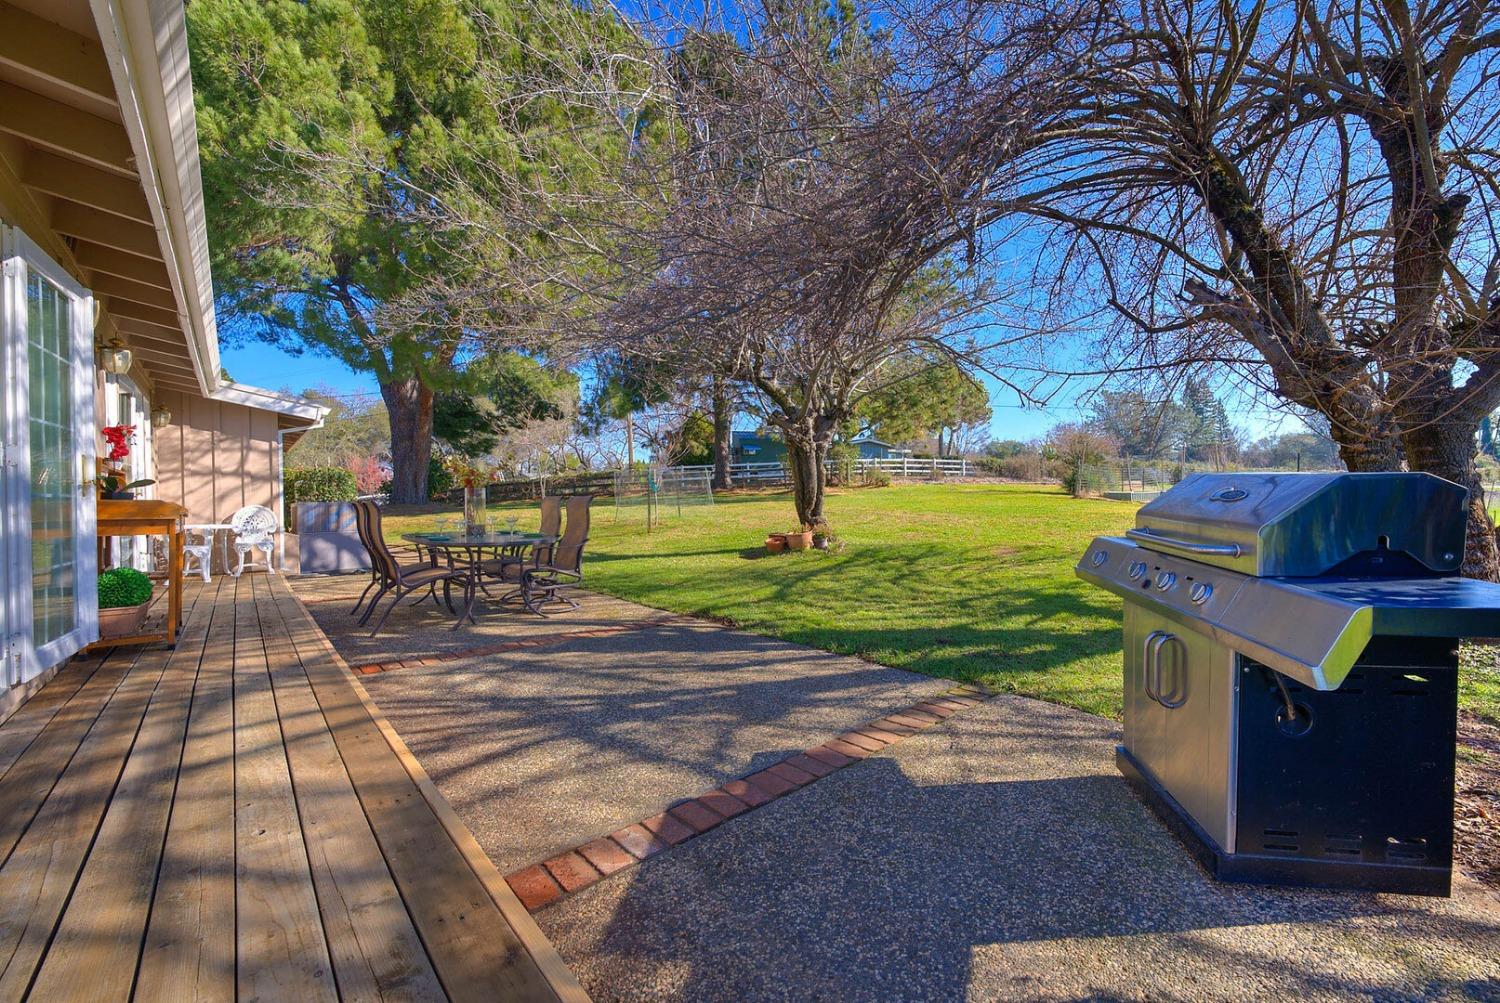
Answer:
(807, 456)
(722, 419)
(1447, 450)
(629, 440)
(409, 403)
(808, 483)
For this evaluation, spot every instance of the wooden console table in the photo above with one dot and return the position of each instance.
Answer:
(148, 518)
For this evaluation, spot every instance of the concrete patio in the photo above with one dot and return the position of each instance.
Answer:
(996, 855)
(545, 747)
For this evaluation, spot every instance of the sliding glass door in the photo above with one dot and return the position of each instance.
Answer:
(49, 562)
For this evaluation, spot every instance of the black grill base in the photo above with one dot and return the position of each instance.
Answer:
(1243, 868)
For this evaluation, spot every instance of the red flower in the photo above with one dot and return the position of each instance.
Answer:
(119, 438)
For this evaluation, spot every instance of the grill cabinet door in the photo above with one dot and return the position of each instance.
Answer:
(1195, 759)
(1145, 719)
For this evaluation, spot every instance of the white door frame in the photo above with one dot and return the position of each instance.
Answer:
(142, 457)
(23, 659)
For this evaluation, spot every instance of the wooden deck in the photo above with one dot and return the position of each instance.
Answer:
(234, 819)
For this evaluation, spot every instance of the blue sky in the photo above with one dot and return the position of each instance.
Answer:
(262, 365)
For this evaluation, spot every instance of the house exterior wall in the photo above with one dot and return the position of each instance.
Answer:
(216, 457)
(747, 447)
(871, 450)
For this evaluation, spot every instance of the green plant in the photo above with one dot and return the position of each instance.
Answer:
(320, 484)
(843, 461)
(110, 484)
(439, 481)
(123, 587)
(875, 477)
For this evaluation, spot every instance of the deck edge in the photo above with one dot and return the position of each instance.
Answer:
(558, 975)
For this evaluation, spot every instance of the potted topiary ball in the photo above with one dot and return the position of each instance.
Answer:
(124, 594)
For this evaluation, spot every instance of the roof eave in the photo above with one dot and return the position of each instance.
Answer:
(146, 45)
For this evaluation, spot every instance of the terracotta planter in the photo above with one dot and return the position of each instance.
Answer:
(776, 543)
(799, 541)
(122, 621)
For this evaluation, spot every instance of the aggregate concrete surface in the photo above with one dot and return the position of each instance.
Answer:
(998, 856)
(540, 750)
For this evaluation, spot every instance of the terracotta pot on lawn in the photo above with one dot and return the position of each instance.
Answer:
(776, 543)
(799, 541)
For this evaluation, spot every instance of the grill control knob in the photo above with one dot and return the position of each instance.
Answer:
(1165, 580)
(1100, 556)
(1136, 570)
(1200, 592)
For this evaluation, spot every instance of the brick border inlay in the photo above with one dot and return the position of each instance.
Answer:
(573, 870)
(623, 627)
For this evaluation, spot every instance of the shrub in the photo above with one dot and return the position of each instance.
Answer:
(843, 461)
(439, 481)
(1015, 468)
(874, 477)
(123, 587)
(320, 484)
(1087, 479)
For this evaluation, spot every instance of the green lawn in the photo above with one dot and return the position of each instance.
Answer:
(970, 582)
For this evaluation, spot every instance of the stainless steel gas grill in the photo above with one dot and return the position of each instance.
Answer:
(1291, 671)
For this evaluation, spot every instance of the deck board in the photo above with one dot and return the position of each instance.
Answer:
(39, 876)
(234, 819)
(282, 951)
(93, 954)
(29, 720)
(376, 952)
(189, 946)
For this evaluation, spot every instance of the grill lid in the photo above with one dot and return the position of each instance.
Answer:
(1305, 525)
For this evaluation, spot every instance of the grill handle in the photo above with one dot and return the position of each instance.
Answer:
(1179, 685)
(1185, 546)
(1156, 641)
(1151, 654)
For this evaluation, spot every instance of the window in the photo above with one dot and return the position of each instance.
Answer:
(47, 558)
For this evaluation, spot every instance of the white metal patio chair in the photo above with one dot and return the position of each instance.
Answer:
(255, 527)
(197, 545)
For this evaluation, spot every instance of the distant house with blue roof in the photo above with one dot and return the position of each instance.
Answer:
(767, 447)
(871, 448)
(756, 447)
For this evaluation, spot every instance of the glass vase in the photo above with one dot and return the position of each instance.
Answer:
(474, 509)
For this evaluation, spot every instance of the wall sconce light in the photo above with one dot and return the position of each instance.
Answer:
(161, 416)
(115, 358)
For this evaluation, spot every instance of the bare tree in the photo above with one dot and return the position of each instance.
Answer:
(1302, 191)
(797, 248)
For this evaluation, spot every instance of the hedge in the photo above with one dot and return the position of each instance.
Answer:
(320, 484)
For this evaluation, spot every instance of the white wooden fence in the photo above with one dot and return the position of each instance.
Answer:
(908, 467)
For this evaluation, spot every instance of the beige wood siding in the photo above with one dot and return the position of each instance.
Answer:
(216, 457)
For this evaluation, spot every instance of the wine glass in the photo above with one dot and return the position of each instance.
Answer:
(510, 523)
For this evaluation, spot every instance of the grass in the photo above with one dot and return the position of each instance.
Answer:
(966, 582)
(969, 582)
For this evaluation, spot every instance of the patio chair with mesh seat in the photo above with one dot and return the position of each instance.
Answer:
(366, 512)
(404, 579)
(507, 568)
(549, 582)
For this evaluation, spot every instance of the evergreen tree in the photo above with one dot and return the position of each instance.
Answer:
(331, 132)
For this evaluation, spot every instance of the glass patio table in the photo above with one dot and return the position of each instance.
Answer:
(471, 550)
